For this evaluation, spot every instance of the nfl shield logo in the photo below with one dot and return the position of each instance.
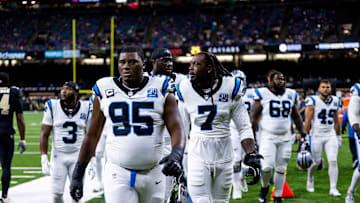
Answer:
(152, 92)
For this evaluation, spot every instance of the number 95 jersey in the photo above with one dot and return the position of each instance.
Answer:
(68, 128)
(134, 120)
(276, 114)
(324, 112)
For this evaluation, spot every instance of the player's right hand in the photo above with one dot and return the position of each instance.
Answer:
(172, 162)
(45, 165)
(253, 161)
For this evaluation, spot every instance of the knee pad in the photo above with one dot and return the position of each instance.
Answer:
(156, 199)
(280, 169)
(201, 200)
(333, 163)
(266, 169)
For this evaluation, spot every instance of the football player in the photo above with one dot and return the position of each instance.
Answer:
(208, 102)
(273, 109)
(10, 103)
(66, 118)
(162, 63)
(323, 127)
(133, 111)
(239, 178)
(354, 119)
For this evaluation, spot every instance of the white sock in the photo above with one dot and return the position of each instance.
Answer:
(99, 168)
(354, 181)
(236, 181)
(333, 174)
(311, 171)
(265, 178)
(279, 180)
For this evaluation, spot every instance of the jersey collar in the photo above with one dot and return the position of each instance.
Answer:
(70, 112)
(206, 96)
(130, 92)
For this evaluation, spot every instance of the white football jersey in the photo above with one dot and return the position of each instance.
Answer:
(354, 105)
(248, 98)
(210, 114)
(68, 128)
(134, 121)
(324, 112)
(276, 113)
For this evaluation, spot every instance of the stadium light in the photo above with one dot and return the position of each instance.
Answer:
(33, 2)
(290, 56)
(253, 57)
(24, 2)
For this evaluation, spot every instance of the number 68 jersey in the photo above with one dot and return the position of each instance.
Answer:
(324, 112)
(68, 127)
(134, 120)
(276, 114)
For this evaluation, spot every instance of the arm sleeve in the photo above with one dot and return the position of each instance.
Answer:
(17, 102)
(241, 119)
(310, 101)
(344, 120)
(185, 116)
(48, 113)
(354, 110)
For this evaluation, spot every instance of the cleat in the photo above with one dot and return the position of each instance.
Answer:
(263, 194)
(237, 194)
(277, 200)
(349, 198)
(310, 185)
(334, 192)
(98, 187)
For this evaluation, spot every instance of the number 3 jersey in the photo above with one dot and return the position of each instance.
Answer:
(322, 123)
(134, 120)
(209, 115)
(276, 113)
(68, 126)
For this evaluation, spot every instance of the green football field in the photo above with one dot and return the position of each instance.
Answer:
(27, 167)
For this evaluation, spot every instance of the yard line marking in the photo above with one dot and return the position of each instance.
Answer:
(32, 172)
(27, 153)
(26, 168)
(22, 176)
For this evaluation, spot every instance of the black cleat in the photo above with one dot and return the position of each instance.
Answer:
(263, 194)
(277, 200)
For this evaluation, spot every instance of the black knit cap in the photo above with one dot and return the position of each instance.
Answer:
(72, 85)
(4, 78)
(160, 52)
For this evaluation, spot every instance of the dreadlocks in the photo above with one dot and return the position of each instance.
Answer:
(219, 69)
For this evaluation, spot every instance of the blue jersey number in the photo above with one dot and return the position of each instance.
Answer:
(248, 106)
(208, 123)
(124, 118)
(72, 132)
(280, 108)
(323, 116)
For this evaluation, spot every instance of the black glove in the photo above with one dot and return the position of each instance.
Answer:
(343, 130)
(237, 167)
(357, 133)
(304, 144)
(173, 162)
(76, 186)
(253, 161)
(22, 146)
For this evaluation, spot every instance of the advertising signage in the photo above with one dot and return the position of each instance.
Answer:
(12, 55)
(61, 54)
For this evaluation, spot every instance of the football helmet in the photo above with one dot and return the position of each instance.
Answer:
(304, 159)
(179, 192)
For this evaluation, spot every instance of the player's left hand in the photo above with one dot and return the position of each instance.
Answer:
(76, 185)
(253, 161)
(339, 140)
(172, 162)
(22, 146)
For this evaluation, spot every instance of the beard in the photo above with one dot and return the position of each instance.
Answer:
(69, 99)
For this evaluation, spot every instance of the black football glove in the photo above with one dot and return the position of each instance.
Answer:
(173, 162)
(76, 186)
(237, 167)
(253, 161)
(357, 133)
(304, 144)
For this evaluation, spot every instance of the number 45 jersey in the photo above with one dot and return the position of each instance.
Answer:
(324, 112)
(276, 114)
(68, 126)
(134, 120)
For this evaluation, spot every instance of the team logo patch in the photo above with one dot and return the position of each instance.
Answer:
(109, 93)
(289, 97)
(83, 116)
(223, 97)
(335, 104)
(152, 92)
(45, 109)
